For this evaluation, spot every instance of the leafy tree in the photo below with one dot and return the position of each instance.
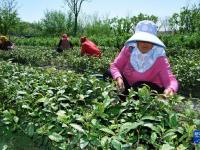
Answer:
(96, 26)
(75, 7)
(122, 27)
(164, 24)
(174, 22)
(187, 21)
(8, 16)
(28, 29)
(56, 22)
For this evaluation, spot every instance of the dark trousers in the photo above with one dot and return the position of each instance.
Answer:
(107, 75)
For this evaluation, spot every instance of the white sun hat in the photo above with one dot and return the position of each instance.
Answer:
(146, 30)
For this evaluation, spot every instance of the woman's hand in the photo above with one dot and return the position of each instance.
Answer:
(120, 84)
(168, 92)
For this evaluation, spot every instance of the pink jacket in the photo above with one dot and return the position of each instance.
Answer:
(160, 73)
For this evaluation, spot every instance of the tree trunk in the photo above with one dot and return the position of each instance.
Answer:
(75, 24)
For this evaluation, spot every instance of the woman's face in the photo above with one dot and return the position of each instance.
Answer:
(144, 47)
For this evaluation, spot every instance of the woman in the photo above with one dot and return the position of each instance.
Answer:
(5, 44)
(64, 43)
(143, 61)
(89, 48)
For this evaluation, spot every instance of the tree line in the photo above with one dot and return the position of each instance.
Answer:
(74, 23)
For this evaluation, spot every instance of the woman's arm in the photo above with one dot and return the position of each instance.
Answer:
(167, 78)
(117, 66)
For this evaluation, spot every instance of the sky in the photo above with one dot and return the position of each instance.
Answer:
(33, 10)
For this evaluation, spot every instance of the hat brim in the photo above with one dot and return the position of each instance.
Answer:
(144, 36)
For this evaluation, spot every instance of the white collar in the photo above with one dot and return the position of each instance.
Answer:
(142, 62)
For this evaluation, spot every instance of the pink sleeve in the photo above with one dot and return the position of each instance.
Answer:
(117, 66)
(167, 77)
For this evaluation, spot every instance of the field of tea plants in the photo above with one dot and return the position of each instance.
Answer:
(60, 101)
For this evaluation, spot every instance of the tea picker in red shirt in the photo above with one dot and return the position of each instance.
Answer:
(89, 48)
(64, 43)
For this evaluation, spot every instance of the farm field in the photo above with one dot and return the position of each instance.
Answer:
(60, 101)
(55, 97)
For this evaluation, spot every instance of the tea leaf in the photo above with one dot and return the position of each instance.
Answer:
(166, 147)
(107, 131)
(83, 143)
(116, 144)
(77, 127)
(126, 127)
(55, 137)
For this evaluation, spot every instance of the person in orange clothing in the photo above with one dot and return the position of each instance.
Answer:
(89, 48)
